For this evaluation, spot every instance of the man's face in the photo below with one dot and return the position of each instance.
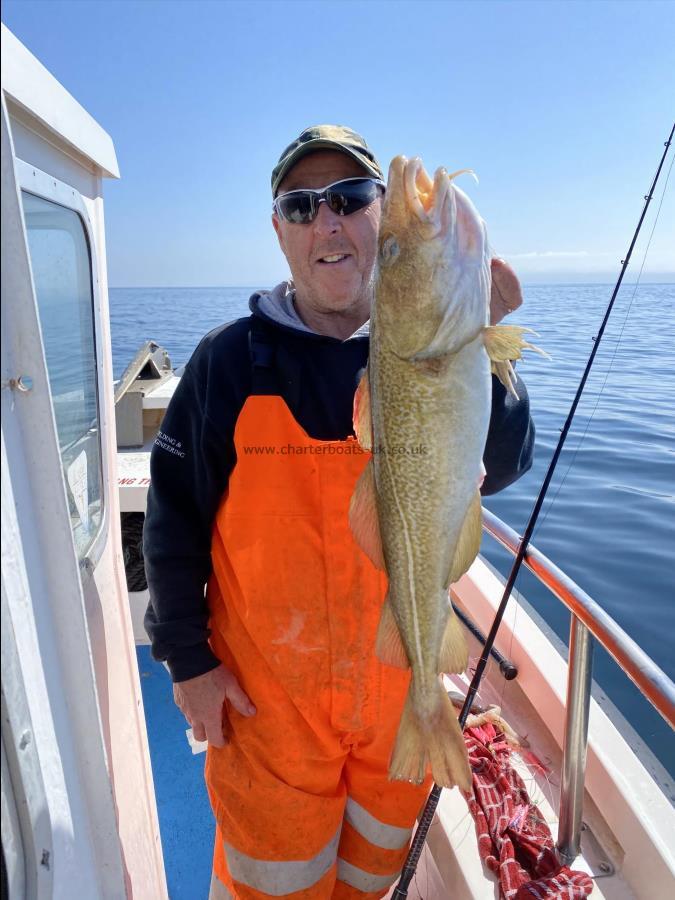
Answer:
(330, 287)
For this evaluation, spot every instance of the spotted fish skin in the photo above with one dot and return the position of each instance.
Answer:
(424, 409)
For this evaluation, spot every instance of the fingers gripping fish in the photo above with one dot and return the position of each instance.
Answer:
(423, 408)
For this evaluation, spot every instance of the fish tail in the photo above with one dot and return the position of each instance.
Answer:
(430, 738)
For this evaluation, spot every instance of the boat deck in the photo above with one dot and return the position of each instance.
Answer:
(185, 818)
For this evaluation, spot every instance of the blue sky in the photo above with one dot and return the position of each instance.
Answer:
(561, 109)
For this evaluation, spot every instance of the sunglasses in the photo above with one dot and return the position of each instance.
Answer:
(343, 197)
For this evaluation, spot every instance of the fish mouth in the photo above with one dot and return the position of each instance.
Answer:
(431, 201)
(427, 199)
(419, 189)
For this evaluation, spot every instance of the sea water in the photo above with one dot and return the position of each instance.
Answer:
(609, 521)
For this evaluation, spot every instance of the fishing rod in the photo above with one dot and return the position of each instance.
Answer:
(429, 810)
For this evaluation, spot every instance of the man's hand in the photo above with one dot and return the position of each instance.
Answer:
(202, 702)
(505, 293)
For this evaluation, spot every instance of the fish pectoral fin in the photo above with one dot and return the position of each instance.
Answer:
(468, 544)
(505, 343)
(507, 375)
(454, 655)
(362, 415)
(363, 517)
(388, 645)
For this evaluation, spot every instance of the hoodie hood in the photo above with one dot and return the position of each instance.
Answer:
(278, 306)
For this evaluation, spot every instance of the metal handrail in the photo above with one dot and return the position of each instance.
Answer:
(586, 618)
(650, 680)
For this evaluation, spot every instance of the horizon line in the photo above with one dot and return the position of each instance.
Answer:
(175, 287)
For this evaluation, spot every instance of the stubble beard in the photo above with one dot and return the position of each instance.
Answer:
(362, 300)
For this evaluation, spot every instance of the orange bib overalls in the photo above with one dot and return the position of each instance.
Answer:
(303, 804)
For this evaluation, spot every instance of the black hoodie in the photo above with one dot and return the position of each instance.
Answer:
(194, 452)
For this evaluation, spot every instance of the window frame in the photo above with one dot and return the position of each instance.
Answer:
(32, 180)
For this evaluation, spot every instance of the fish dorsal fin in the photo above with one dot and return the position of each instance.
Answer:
(389, 646)
(469, 541)
(363, 419)
(363, 517)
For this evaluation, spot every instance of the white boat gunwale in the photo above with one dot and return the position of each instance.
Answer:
(631, 815)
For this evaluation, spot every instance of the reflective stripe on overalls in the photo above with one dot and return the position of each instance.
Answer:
(302, 800)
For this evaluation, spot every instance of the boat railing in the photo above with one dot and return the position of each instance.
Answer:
(587, 621)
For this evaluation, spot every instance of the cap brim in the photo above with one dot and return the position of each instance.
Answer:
(322, 144)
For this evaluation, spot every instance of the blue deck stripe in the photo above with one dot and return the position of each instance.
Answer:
(185, 819)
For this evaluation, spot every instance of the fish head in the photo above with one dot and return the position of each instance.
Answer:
(432, 288)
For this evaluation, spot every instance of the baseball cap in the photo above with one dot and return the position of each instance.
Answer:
(326, 137)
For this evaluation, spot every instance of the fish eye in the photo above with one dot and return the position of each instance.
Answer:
(389, 249)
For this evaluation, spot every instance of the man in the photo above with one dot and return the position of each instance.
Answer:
(276, 667)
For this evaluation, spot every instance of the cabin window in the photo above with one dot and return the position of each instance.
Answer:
(61, 265)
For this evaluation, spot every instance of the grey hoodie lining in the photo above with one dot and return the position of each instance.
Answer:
(279, 305)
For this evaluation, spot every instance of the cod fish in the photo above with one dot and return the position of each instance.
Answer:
(423, 408)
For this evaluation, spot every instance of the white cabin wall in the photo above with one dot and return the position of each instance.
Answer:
(55, 802)
(49, 129)
(125, 722)
(38, 147)
(49, 701)
(105, 594)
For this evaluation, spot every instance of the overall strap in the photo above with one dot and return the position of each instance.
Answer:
(274, 369)
(263, 350)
